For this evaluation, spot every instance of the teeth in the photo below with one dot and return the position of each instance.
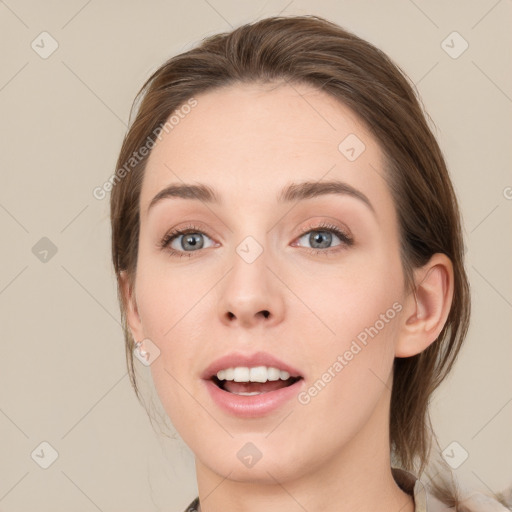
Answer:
(258, 374)
(273, 374)
(255, 374)
(241, 374)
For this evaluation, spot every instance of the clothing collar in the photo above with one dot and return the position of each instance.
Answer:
(407, 481)
(413, 486)
(423, 500)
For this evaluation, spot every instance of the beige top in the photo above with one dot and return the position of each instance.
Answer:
(407, 482)
(426, 502)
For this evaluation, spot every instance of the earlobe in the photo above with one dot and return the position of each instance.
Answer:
(427, 307)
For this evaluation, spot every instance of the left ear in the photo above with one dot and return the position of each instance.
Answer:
(426, 307)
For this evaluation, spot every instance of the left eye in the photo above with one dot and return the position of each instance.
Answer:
(323, 238)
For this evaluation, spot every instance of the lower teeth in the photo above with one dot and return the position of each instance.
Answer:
(246, 394)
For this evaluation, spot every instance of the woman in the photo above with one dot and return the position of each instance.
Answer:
(289, 258)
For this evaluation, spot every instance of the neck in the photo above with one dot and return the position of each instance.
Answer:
(355, 478)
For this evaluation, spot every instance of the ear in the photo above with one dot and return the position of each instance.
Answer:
(131, 309)
(426, 307)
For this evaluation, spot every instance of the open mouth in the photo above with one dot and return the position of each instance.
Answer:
(253, 388)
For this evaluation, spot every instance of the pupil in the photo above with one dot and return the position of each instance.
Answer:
(318, 238)
(191, 241)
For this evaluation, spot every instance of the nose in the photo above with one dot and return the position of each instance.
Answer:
(251, 294)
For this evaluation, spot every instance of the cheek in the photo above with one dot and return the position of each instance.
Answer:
(359, 308)
(176, 311)
(351, 371)
(352, 298)
(168, 303)
(168, 295)
(363, 328)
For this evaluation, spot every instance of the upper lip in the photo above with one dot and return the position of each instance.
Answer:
(248, 360)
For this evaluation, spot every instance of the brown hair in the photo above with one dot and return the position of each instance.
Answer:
(317, 52)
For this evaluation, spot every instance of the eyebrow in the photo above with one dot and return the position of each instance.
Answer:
(292, 192)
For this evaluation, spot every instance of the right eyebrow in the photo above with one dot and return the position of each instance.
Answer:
(200, 192)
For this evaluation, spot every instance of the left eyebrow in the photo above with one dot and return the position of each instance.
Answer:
(311, 189)
(292, 192)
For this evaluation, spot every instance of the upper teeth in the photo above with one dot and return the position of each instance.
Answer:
(256, 374)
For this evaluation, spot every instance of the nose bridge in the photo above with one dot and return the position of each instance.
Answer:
(249, 294)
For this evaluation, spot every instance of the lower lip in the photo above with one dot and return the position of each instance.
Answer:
(252, 406)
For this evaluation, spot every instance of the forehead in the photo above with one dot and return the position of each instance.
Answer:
(254, 139)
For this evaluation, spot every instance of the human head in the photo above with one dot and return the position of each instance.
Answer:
(310, 51)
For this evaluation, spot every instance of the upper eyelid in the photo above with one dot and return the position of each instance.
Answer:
(315, 227)
(327, 226)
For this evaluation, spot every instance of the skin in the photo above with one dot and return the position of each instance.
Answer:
(248, 142)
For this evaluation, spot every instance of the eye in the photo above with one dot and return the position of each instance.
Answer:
(187, 240)
(321, 238)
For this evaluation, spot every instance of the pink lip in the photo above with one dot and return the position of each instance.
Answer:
(252, 406)
(258, 359)
(255, 405)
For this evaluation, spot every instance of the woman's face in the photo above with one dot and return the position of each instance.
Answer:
(309, 275)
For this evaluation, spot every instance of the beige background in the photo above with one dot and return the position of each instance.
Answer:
(62, 375)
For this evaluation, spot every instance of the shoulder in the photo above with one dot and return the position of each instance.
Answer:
(479, 502)
(435, 505)
(426, 501)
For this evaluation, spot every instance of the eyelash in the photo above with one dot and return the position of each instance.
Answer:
(345, 238)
